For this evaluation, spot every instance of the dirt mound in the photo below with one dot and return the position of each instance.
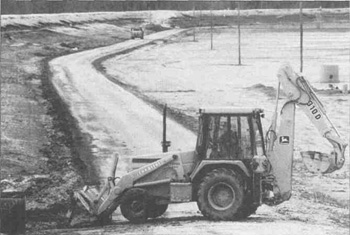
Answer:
(269, 91)
(330, 92)
(155, 27)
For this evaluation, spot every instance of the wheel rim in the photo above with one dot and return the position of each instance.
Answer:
(136, 206)
(221, 196)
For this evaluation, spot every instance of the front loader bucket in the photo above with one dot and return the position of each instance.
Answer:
(87, 197)
(82, 209)
(317, 162)
(91, 198)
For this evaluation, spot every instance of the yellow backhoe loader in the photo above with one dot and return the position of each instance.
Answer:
(234, 168)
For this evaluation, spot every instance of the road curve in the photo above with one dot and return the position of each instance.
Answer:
(115, 119)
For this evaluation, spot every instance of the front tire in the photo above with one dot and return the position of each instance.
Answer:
(134, 205)
(155, 210)
(220, 195)
(104, 219)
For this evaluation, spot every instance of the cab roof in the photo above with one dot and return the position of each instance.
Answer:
(229, 110)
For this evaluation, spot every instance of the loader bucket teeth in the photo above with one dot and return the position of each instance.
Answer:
(83, 200)
(317, 162)
(81, 211)
(80, 217)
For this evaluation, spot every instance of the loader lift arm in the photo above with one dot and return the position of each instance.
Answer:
(107, 200)
(280, 138)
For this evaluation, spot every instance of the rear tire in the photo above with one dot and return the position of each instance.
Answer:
(246, 211)
(134, 205)
(220, 195)
(249, 206)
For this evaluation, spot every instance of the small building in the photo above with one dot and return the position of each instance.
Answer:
(329, 74)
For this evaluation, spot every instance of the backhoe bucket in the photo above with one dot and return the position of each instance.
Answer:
(317, 162)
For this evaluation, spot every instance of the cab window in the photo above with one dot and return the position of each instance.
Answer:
(228, 137)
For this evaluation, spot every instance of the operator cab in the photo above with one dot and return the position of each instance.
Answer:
(230, 134)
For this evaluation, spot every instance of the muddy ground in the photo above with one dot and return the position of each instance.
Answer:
(41, 145)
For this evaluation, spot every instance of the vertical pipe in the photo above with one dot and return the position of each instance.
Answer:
(239, 32)
(164, 145)
(301, 35)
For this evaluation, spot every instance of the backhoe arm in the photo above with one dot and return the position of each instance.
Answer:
(280, 138)
(299, 90)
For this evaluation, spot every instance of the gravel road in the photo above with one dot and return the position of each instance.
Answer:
(115, 120)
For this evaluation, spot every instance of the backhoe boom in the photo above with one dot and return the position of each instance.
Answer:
(280, 142)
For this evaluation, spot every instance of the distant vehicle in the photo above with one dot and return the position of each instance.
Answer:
(137, 32)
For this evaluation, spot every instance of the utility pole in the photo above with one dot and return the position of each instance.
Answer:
(194, 20)
(301, 35)
(239, 33)
(211, 26)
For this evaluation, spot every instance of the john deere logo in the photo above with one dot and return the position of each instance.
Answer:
(284, 139)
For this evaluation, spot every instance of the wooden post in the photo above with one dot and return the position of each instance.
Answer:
(239, 34)
(301, 35)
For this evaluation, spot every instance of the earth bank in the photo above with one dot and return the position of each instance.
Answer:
(41, 145)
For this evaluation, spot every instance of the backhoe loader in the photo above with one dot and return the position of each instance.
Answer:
(234, 168)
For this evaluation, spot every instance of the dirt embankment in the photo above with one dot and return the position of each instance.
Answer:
(41, 145)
